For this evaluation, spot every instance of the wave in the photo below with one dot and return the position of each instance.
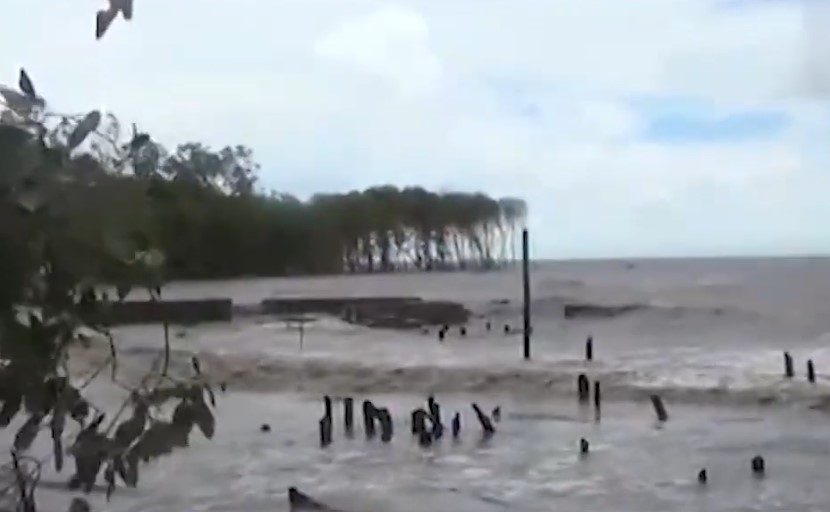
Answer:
(553, 379)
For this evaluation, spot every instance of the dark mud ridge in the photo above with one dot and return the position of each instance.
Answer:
(182, 312)
(572, 311)
(382, 312)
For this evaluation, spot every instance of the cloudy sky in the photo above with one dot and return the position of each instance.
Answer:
(631, 127)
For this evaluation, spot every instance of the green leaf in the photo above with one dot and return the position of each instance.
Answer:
(138, 141)
(10, 407)
(88, 125)
(122, 290)
(26, 85)
(126, 7)
(204, 419)
(79, 505)
(129, 430)
(103, 21)
(28, 432)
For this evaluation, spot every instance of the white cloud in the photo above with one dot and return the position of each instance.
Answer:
(525, 98)
(392, 42)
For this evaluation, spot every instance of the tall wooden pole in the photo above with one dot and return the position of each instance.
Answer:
(526, 286)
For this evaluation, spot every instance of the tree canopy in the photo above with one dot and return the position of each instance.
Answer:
(201, 208)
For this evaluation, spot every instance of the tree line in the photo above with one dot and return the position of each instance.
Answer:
(204, 211)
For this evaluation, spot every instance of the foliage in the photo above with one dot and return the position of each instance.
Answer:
(58, 243)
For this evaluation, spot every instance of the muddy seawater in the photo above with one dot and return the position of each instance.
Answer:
(707, 336)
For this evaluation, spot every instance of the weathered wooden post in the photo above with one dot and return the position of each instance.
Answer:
(583, 388)
(702, 477)
(325, 431)
(369, 419)
(526, 290)
(327, 404)
(486, 424)
(456, 425)
(788, 366)
(758, 466)
(589, 349)
(348, 415)
(597, 398)
(435, 414)
(659, 408)
(811, 372)
(584, 447)
(385, 420)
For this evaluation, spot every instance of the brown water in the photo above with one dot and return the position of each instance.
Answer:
(707, 335)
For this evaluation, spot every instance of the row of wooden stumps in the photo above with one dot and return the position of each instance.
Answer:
(789, 370)
(757, 464)
(426, 423)
(444, 330)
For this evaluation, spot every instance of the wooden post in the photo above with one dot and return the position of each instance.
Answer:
(369, 419)
(486, 424)
(659, 408)
(584, 447)
(327, 402)
(456, 425)
(758, 466)
(597, 398)
(325, 431)
(788, 366)
(385, 419)
(435, 413)
(526, 290)
(811, 372)
(589, 349)
(583, 388)
(348, 415)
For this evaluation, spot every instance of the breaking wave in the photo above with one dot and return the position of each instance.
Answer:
(326, 375)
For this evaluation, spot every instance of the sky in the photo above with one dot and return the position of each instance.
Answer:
(630, 127)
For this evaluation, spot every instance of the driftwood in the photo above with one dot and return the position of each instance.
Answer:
(301, 502)
(486, 424)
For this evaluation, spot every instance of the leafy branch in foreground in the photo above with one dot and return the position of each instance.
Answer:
(54, 299)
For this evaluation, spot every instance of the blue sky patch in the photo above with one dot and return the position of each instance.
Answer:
(733, 127)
